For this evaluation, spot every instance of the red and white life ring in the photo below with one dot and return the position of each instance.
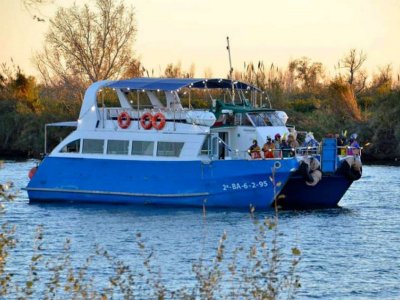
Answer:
(158, 121)
(146, 120)
(32, 172)
(124, 120)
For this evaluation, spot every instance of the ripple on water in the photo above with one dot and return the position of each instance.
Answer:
(350, 252)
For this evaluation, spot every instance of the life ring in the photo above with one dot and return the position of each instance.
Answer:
(158, 121)
(32, 172)
(124, 120)
(146, 120)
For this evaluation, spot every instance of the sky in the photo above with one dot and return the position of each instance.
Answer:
(194, 32)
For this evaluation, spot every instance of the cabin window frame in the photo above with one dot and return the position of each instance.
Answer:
(144, 151)
(92, 140)
(72, 152)
(172, 151)
(126, 144)
(206, 146)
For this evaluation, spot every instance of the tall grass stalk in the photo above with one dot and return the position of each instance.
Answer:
(259, 271)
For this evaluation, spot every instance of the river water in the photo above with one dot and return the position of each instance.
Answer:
(352, 252)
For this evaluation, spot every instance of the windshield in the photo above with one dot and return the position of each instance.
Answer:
(268, 118)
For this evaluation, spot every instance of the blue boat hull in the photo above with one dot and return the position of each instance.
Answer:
(326, 194)
(224, 183)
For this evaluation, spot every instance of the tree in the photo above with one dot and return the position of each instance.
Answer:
(384, 79)
(85, 45)
(309, 74)
(134, 69)
(36, 5)
(353, 63)
(176, 71)
(385, 127)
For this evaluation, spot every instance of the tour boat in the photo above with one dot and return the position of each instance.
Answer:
(141, 142)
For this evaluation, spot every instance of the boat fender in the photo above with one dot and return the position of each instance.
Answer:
(304, 170)
(310, 170)
(32, 172)
(124, 120)
(158, 121)
(316, 177)
(146, 120)
(351, 168)
(315, 172)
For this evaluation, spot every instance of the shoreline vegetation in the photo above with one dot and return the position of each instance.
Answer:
(322, 107)
(87, 44)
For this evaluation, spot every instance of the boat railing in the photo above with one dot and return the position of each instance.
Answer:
(342, 151)
(286, 153)
(275, 154)
(309, 150)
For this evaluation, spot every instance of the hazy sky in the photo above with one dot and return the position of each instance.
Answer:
(194, 31)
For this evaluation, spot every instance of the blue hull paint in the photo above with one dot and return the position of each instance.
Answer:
(326, 194)
(229, 183)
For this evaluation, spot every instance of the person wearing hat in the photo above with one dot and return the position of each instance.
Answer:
(268, 148)
(254, 150)
(277, 143)
(354, 147)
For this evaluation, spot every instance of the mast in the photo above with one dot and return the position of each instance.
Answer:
(230, 68)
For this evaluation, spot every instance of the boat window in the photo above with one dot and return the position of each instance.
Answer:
(93, 146)
(142, 148)
(72, 147)
(266, 118)
(242, 119)
(238, 119)
(169, 149)
(260, 119)
(206, 148)
(117, 147)
(275, 119)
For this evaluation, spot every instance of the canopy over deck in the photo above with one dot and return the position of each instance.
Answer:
(173, 84)
(64, 124)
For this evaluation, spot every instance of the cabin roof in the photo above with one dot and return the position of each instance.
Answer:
(173, 84)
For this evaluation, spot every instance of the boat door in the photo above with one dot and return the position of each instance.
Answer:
(222, 145)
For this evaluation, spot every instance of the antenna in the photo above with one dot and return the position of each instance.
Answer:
(230, 59)
(230, 68)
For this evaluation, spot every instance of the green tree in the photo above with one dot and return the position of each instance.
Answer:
(309, 74)
(385, 127)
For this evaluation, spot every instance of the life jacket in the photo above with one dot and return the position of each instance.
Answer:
(268, 150)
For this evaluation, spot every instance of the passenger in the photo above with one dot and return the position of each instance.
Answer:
(340, 143)
(254, 150)
(277, 143)
(292, 144)
(285, 147)
(268, 148)
(310, 141)
(292, 141)
(354, 147)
